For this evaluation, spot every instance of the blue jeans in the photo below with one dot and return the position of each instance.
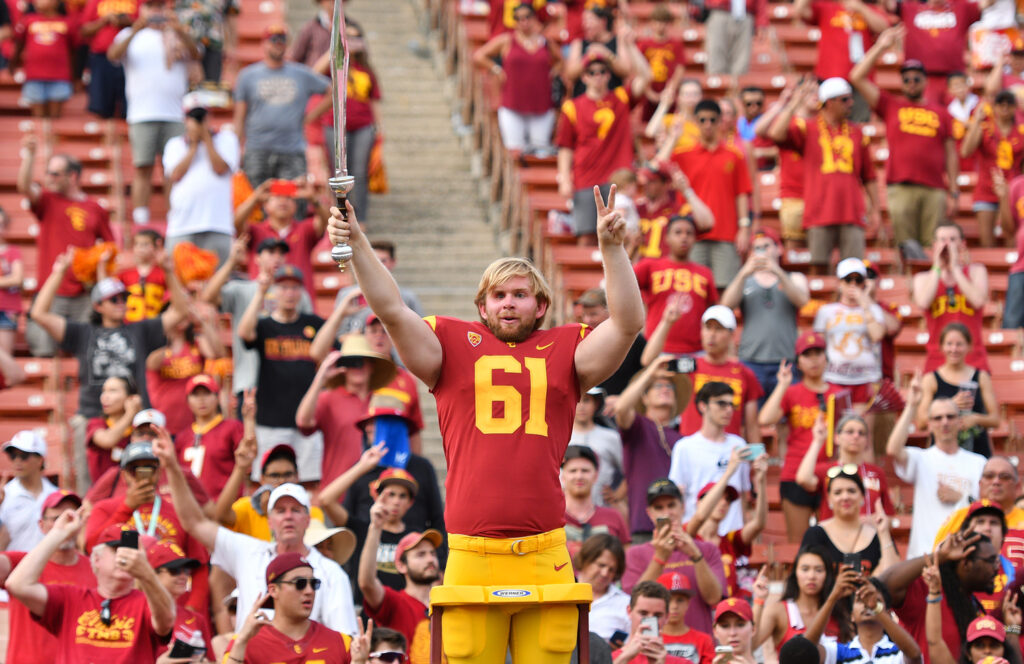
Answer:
(1013, 309)
(765, 372)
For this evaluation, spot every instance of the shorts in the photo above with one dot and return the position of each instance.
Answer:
(106, 87)
(849, 238)
(984, 206)
(309, 450)
(796, 494)
(720, 257)
(8, 320)
(863, 393)
(149, 138)
(915, 210)
(584, 210)
(791, 216)
(40, 92)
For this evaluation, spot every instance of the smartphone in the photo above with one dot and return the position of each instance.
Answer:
(852, 560)
(661, 522)
(682, 365)
(182, 649)
(650, 625)
(618, 638)
(755, 450)
(129, 539)
(723, 650)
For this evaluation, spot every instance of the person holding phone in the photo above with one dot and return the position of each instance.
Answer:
(648, 610)
(192, 632)
(734, 632)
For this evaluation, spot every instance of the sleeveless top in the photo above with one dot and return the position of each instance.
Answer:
(796, 626)
(974, 439)
(950, 306)
(769, 323)
(527, 86)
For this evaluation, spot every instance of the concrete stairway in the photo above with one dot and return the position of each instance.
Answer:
(433, 212)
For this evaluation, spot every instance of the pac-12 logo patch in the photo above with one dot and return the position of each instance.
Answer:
(474, 338)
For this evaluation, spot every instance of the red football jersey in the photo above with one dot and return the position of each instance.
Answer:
(659, 279)
(524, 398)
(836, 166)
(997, 151)
(917, 135)
(599, 135)
(146, 295)
(718, 177)
(801, 408)
(72, 614)
(950, 306)
(213, 458)
(654, 218)
(29, 643)
(320, 645)
(744, 386)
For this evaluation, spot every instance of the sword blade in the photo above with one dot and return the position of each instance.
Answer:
(339, 77)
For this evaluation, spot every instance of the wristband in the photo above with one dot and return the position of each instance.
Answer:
(929, 600)
(936, 269)
(1013, 629)
(235, 659)
(697, 559)
(744, 222)
(658, 560)
(758, 602)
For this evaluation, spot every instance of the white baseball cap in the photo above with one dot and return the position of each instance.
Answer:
(290, 490)
(149, 416)
(720, 313)
(27, 441)
(833, 87)
(849, 266)
(105, 289)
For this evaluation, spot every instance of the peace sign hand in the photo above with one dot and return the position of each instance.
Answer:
(360, 648)
(611, 225)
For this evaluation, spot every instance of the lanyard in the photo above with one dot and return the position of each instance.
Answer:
(154, 517)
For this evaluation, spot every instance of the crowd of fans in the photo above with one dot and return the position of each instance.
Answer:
(227, 498)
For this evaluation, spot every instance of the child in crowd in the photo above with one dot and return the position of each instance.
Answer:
(146, 281)
(44, 42)
(681, 641)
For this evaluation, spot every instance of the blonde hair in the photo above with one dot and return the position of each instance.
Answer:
(503, 269)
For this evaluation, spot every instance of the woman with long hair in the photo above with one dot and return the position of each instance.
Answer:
(968, 386)
(106, 436)
(601, 561)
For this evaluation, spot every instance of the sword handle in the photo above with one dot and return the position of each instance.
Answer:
(341, 253)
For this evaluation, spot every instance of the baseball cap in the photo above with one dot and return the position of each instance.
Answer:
(869, 267)
(288, 273)
(140, 450)
(730, 491)
(201, 380)
(395, 476)
(720, 313)
(285, 188)
(167, 554)
(275, 30)
(110, 536)
(662, 487)
(271, 243)
(766, 232)
(289, 490)
(106, 289)
(833, 87)
(27, 441)
(655, 171)
(735, 606)
(849, 266)
(912, 65)
(591, 58)
(594, 297)
(579, 452)
(382, 405)
(282, 450)
(986, 626)
(280, 566)
(371, 318)
(676, 583)
(985, 506)
(809, 340)
(59, 496)
(149, 416)
(413, 539)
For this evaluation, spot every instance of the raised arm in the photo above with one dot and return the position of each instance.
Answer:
(672, 312)
(625, 407)
(211, 291)
(771, 412)
(325, 337)
(110, 436)
(710, 500)
(23, 583)
(161, 604)
(330, 496)
(896, 446)
(972, 137)
(54, 324)
(603, 350)
(938, 651)
(753, 528)
(25, 185)
(859, 74)
(805, 475)
(246, 326)
(369, 584)
(419, 349)
(699, 210)
(189, 512)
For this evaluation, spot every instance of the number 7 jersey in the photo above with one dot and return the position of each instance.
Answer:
(505, 410)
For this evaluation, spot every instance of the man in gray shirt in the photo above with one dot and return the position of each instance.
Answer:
(233, 297)
(270, 111)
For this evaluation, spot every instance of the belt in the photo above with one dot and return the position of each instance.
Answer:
(519, 546)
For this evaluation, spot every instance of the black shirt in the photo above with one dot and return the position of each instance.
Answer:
(286, 368)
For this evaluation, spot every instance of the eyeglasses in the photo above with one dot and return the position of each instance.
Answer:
(301, 583)
(597, 72)
(854, 279)
(707, 120)
(56, 174)
(105, 616)
(991, 475)
(913, 79)
(389, 656)
(723, 403)
(944, 416)
(280, 476)
(842, 469)
(754, 104)
(277, 39)
(120, 298)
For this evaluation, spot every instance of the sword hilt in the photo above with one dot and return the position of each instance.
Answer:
(341, 253)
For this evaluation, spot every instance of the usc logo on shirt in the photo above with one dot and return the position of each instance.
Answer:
(91, 631)
(941, 304)
(699, 380)
(659, 58)
(76, 216)
(845, 21)
(107, 7)
(287, 348)
(679, 279)
(919, 121)
(804, 417)
(359, 85)
(45, 32)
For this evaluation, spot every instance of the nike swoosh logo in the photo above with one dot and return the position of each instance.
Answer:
(558, 568)
(316, 650)
(545, 346)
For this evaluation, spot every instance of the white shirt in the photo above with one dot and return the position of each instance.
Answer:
(697, 462)
(924, 469)
(20, 513)
(853, 359)
(961, 110)
(608, 613)
(154, 91)
(246, 558)
(607, 445)
(884, 652)
(201, 200)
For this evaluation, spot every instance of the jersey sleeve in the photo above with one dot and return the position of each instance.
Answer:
(565, 136)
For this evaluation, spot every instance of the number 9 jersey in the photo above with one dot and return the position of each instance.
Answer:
(505, 410)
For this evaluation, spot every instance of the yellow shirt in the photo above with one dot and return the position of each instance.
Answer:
(1014, 521)
(249, 522)
(689, 137)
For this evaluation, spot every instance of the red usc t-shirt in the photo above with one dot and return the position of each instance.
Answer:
(916, 133)
(599, 135)
(744, 386)
(104, 37)
(718, 177)
(837, 28)
(664, 56)
(48, 41)
(694, 647)
(72, 614)
(654, 218)
(801, 407)
(404, 613)
(28, 643)
(167, 384)
(504, 452)
(875, 487)
(836, 166)
(950, 306)
(146, 295)
(938, 38)
(362, 90)
(997, 151)
(301, 237)
(320, 645)
(791, 174)
(659, 279)
(213, 458)
(67, 223)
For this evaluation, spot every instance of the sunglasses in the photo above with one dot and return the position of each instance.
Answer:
(177, 571)
(120, 298)
(597, 72)
(913, 79)
(301, 583)
(944, 416)
(277, 39)
(18, 455)
(707, 120)
(105, 615)
(855, 279)
(56, 174)
(842, 469)
(389, 656)
(723, 403)
(1005, 477)
(753, 104)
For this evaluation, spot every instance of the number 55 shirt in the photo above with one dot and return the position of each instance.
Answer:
(505, 411)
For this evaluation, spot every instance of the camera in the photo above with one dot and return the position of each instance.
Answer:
(682, 365)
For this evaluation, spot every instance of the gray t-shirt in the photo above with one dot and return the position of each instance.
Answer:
(276, 103)
(235, 297)
(769, 324)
